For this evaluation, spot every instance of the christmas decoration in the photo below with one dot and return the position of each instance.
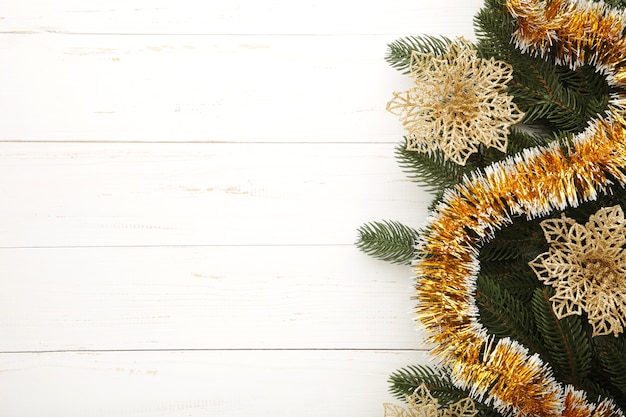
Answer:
(587, 267)
(520, 282)
(422, 404)
(456, 103)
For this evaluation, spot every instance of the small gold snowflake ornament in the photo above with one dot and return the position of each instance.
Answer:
(456, 103)
(586, 265)
(422, 404)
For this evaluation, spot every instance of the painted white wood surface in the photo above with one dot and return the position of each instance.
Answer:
(207, 297)
(181, 88)
(187, 383)
(181, 184)
(322, 17)
(129, 194)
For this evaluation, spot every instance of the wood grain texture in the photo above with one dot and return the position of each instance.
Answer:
(334, 17)
(199, 194)
(181, 184)
(194, 384)
(239, 297)
(221, 88)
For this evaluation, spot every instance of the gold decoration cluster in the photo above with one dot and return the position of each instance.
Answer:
(586, 265)
(535, 183)
(422, 404)
(456, 103)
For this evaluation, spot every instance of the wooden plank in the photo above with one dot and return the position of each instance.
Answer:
(203, 298)
(239, 16)
(181, 186)
(176, 384)
(129, 194)
(197, 88)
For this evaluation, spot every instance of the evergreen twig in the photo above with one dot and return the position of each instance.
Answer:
(504, 314)
(406, 380)
(387, 240)
(566, 342)
(399, 52)
(431, 170)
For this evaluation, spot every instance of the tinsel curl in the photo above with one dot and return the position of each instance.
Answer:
(534, 183)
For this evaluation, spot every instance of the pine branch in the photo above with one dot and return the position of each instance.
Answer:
(405, 381)
(612, 356)
(544, 91)
(518, 141)
(432, 171)
(389, 241)
(518, 279)
(504, 314)
(522, 241)
(436, 174)
(504, 250)
(493, 25)
(616, 3)
(399, 52)
(566, 342)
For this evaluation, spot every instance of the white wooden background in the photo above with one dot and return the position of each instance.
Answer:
(181, 183)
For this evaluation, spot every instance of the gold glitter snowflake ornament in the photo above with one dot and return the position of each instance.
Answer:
(586, 265)
(422, 404)
(456, 103)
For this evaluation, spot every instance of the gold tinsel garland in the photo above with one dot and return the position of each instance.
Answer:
(535, 183)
